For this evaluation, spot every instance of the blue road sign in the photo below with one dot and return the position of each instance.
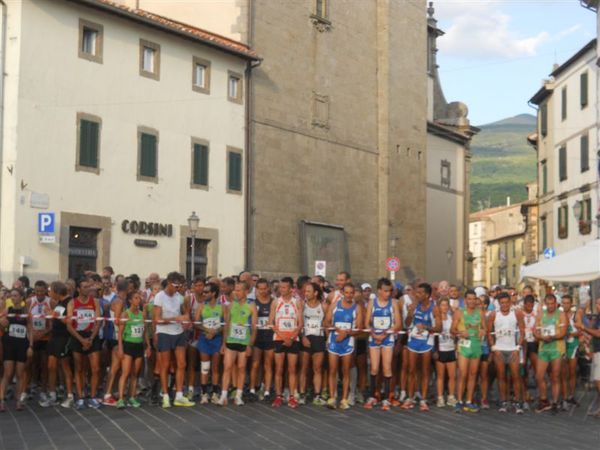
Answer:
(46, 222)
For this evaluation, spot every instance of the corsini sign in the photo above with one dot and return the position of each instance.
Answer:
(147, 228)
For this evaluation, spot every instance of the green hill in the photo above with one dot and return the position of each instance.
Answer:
(502, 162)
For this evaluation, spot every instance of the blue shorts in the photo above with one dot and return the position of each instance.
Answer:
(346, 347)
(210, 346)
(387, 342)
(419, 345)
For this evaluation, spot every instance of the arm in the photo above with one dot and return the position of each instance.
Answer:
(272, 316)
(521, 326)
(97, 323)
(300, 326)
(483, 330)
(226, 317)
(253, 328)
(490, 326)
(438, 320)
(537, 332)
(397, 316)
(69, 323)
(367, 315)
(563, 327)
(121, 331)
(359, 322)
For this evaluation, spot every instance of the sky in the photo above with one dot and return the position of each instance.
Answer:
(495, 53)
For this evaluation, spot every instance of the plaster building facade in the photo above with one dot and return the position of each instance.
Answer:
(115, 132)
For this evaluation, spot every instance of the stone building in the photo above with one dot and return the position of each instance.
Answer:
(337, 132)
(449, 136)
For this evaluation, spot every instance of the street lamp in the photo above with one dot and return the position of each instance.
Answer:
(193, 222)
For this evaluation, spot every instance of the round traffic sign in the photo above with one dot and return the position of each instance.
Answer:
(392, 264)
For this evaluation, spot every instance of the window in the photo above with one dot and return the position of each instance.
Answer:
(583, 92)
(147, 154)
(234, 88)
(585, 220)
(199, 164)
(234, 170)
(562, 163)
(90, 41)
(544, 177)
(88, 142)
(149, 60)
(321, 9)
(514, 248)
(563, 222)
(563, 103)
(585, 153)
(201, 75)
(514, 272)
(445, 174)
(544, 119)
(544, 234)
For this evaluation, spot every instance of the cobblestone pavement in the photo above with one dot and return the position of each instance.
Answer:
(259, 426)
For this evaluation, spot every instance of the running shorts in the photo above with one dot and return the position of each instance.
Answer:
(317, 344)
(210, 346)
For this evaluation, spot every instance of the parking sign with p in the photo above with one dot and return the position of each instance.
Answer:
(46, 223)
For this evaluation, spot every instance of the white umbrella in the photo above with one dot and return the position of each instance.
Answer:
(579, 265)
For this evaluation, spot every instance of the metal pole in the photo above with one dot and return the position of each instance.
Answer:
(193, 256)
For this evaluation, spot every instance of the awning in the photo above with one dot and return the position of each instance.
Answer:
(579, 265)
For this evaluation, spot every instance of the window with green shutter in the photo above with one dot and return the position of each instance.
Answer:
(148, 156)
(563, 110)
(563, 222)
(200, 165)
(562, 163)
(583, 93)
(544, 178)
(544, 119)
(234, 171)
(88, 142)
(585, 153)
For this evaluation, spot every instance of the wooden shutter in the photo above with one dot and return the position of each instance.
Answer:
(88, 143)
(562, 163)
(200, 163)
(148, 156)
(585, 153)
(583, 93)
(544, 119)
(235, 171)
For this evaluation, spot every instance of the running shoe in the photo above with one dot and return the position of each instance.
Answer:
(222, 401)
(183, 401)
(134, 402)
(458, 408)
(402, 396)
(394, 402)
(214, 399)
(471, 407)
(325, 394)
(93, 403)
(519, 408)
(268, 398)
(503, 407)
(190, 395)
(409, 403)
(166, 402)
(109, 400)
(301, 399)
(371, 402)
(440, 402)
(351, 399)
(44, 401)
(121, 404)
(20, 406)
(331, 404)
(277, 402)
(360, 398)
(68, 402)
(423, 406)
(485, 404)
(344, 404)
(80, 404)
(565, 405)
(451, 401)
(543, 406)
(554, 409)
(573, 402)
(238, 401)
(252, 397)
(385, 405)
(318, 401)
(292, 402)
(204, 399)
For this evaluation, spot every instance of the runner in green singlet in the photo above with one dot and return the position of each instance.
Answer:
(550, 330)
(131, 349)
(569, 364)
(239, 334)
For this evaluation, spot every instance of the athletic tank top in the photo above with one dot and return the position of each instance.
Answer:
(212, 316)
(286, 318)
(382, 317)
(549, 327)
(505, 331)
(263, 311)
(472, 324)
(134, 327)
(37, 308)
(59, 329)
(223, 300)
(313, 320)
(84, 315)
(529, 319)
(240, 318)
(17, 326)
(405, 304)
(194, 304)
(572, 340)
(344, 319)
(446, 340)
(423, 317)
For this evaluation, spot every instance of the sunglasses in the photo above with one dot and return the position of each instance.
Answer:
(176, 285)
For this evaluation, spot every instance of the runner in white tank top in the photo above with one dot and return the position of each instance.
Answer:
(506, 333)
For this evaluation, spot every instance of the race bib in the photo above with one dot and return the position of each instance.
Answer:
(17, 331)
(137, 331)
(465, 343)
(571, 339)
(60, 311)
(238, 332)
(504, 332)
(343, 325)
(529, 336)
(549, 331)
(381, 323)
(286, 324)
(312, 326)
(212, 323)
(84, 318)
(263, 322)
(415, 333)
(38, 324)
(445, 337)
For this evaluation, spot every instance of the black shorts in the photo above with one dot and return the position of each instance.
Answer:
(264, 345)
(294, 349)
(110, 344)
(403, 339)
(361, 346)
(58, 346)
(75, 345)
(485, 357)
(317, 344)
(532, 347)
(40, 346)
(447, 357)
(237, 347)
(135, 350)
(168, 342)
(14, 349)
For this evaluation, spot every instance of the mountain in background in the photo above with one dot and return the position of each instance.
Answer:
(502, 162)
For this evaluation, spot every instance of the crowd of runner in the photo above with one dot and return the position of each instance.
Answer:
(109, 340)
